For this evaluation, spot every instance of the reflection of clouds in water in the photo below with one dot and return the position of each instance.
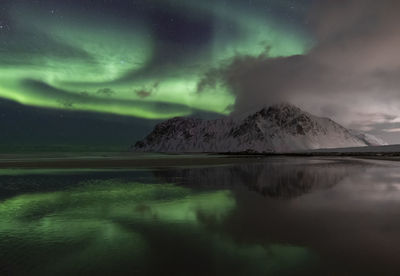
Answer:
(371, 183)
(350, 224)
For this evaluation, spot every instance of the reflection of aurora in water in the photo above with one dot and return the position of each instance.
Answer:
(112, 226)
(204, 220)
(97, 62)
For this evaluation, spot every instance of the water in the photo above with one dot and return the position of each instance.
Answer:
(273, 216)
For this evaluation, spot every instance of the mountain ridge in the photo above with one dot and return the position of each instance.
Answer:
(279, 128)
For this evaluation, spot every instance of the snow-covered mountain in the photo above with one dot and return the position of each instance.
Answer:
(279, 128)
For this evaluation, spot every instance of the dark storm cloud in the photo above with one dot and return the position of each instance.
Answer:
(354, 68)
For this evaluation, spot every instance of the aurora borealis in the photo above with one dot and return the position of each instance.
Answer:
(151, 60)
(144, 59)
(199, 137)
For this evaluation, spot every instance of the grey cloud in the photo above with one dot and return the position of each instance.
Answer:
(375, 118)
(391, 130)
(143, 93)
(353, 69)
(106, 92)
(147, 92)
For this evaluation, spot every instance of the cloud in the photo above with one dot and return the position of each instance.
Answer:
(375, 118)
(68, 104)
(391, 130)
(143, 93)
(106, 92)
(353, 69)
(147, 92)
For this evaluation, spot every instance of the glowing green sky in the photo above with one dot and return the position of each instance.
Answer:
(143, 61)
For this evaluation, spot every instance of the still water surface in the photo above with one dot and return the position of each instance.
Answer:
(272, 216)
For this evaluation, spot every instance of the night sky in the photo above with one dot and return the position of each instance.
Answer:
(105, 71)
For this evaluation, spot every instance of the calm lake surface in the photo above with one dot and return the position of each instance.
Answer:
(263, 216)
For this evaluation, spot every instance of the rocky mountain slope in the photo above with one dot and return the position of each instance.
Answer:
(279, 128)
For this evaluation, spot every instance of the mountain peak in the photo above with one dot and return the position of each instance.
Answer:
(285, 106)
(282, 106)
(280, 110)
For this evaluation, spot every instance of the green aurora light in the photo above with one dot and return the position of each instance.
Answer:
(99, 65)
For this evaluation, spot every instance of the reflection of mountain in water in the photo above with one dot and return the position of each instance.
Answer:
(273, 178)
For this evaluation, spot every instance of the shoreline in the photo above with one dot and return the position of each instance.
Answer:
(151, 160)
